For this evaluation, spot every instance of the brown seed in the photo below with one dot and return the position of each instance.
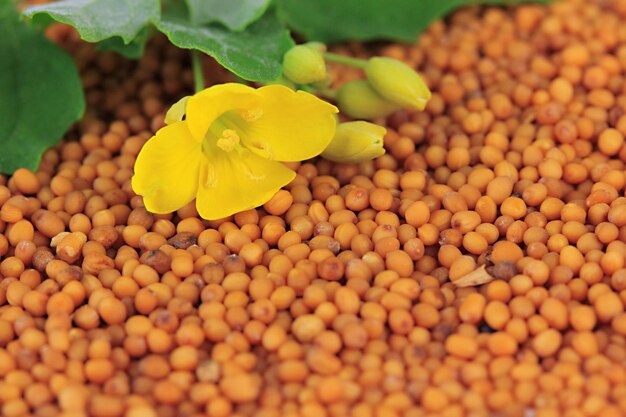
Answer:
(307, 327)
(461, 346)
(240, 387)
(105, 235)
(157, 259)
(182, 240)
(94, 263)
(26, 181)
(70, 246)
(48, 223)
(547, 342)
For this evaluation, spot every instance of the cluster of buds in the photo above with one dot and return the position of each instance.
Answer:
(397, 83)
(389, 85)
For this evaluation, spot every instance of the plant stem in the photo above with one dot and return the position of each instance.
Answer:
(198, 75)
(326, 92)
(345, 60)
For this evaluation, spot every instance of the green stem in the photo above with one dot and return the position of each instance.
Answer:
(345, 60)
(198, 75)
(327, 92)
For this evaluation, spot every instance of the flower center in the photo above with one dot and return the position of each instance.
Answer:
(228, 140)
(250, 115)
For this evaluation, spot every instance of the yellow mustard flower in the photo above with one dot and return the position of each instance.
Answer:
(225, 151)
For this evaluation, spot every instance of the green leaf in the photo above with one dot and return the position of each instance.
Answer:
(340, 20)
(97, 20)
(133, 50)
(234, 14)
(255, 54)
(40, 93)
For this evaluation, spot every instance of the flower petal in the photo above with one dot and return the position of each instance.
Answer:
(209, 104)
(166, 169)
(294, 125)
(231, 182)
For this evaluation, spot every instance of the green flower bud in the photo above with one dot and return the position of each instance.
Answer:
(359, 100)
(325, 82)
(356, 142)
(397, 82)
(304, 64)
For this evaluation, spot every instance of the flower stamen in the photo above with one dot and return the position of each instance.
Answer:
(210, 176)
(256, 176)
(262, 149)
(251, 115)
(228, 141)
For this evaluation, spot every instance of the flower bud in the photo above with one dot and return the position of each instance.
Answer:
(356, 142)
(304, 64)
(397, 82)
(325, 83)
(358, 99)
